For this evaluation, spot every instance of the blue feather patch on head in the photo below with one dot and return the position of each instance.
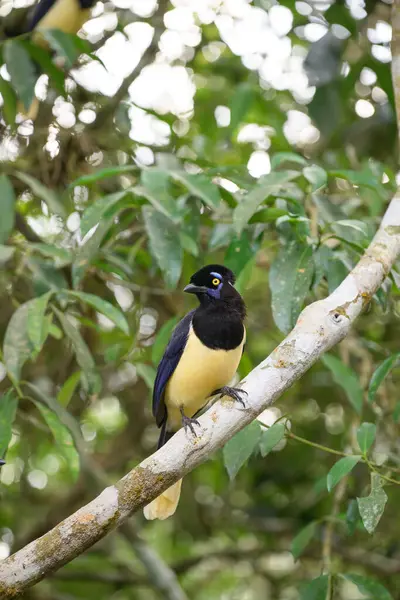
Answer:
(215, 293)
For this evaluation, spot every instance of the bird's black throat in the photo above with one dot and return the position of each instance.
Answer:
(219, 324)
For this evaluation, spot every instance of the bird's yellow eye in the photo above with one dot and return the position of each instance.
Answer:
(216, 281)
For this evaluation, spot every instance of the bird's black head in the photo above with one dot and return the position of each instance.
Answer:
(213, 284)
(211, 281)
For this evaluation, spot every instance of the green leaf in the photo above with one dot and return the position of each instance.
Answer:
(61, 256)
(337, 271)
(188, 243)
(55, 331)
(352, 516)
(45, 276)
(68, 389)
(317, 589)
(340, 470)
(7, 208)
(105, 173)
(43, 58)
(95, 211)
(372, 507)
(6, 252)
(302, 539)
(164, 244)
(322, 258)
(317, 176)
(240, 103)
(147, 373)
(370, 588)
(287, 157)
(396, 413)
(380, 375)
(155, 188)
(360, 178)
(271, 437)
(21, 70)
(238, 253)
(267, 185)
(62, 438)
(239, 448)
(64, 44)
(200, 186)
(90, 248)
(358, 226)
(245, 275)
(83, 356)
(9, 107)
(269, 215)
(17, 347)
(162, 340)
(327, 210)
(290, 279)
(366, 436)
(37, 324)
(347, 379)
(220, 236)
(105, 308)
(54, 204)
(8, 409)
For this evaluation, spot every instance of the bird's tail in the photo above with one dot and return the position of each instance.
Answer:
(165, 505)
(31, 112)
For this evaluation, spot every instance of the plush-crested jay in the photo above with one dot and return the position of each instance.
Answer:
(199, 362)
(66, 15)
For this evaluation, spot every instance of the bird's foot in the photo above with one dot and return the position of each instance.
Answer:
(188, 423)
(234, 393)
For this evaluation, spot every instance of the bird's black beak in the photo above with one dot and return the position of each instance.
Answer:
(195, 289)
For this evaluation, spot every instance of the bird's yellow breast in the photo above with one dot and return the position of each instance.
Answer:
(66, 15)
(199, 373)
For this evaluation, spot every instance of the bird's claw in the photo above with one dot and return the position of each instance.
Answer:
(188, 423)
(234, 393)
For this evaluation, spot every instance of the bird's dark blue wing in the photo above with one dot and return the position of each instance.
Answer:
(167, 366)
(44, 7)
(39, 12)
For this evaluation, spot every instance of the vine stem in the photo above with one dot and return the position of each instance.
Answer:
(373, 466)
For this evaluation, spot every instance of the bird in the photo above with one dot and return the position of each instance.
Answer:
(2, 462)
(67, 16)
(199, 362)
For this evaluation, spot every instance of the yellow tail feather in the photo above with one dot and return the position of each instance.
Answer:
(165, 505)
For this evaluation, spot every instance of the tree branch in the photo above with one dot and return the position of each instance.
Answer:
(320, 326)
